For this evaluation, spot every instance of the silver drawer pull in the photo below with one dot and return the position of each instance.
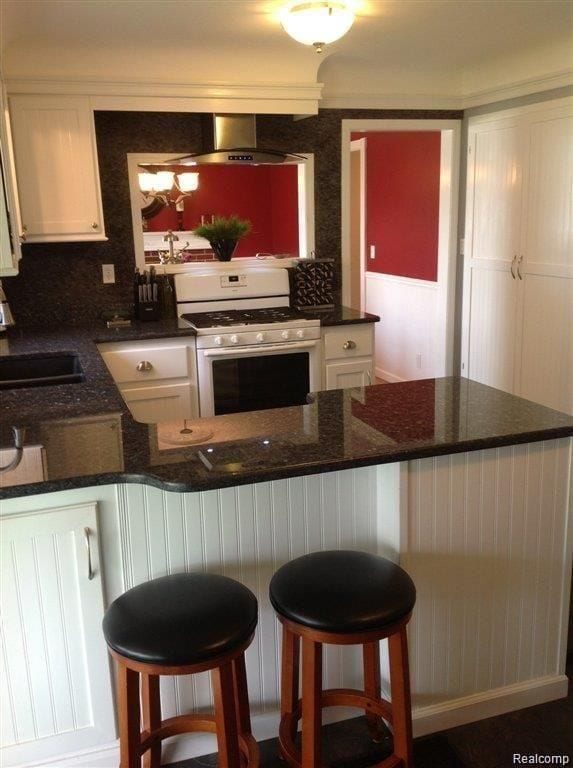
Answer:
(88, 547)
(144, 365)
(349, 344)
(95, 225)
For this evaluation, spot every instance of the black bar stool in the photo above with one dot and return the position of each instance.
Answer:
(344, 598)
(181, 625)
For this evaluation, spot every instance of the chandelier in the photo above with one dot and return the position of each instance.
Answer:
(317, 22)
(169, 188)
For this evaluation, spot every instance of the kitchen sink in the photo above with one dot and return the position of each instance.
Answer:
(40, 370)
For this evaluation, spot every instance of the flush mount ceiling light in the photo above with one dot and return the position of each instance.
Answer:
(317, 23)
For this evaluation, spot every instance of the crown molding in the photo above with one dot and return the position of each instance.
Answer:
(302, 98)
(390, 101)
(520, 88)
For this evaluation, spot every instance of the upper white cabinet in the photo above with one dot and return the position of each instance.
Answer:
(10, 226)
(518, 283)
(57, 169)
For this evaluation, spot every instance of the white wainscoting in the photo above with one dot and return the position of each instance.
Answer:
(410, 338)
(489, 550)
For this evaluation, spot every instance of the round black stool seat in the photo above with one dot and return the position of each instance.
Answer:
(183, 619)
(342, 591)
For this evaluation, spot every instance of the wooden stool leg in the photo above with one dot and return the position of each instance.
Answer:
(289, 677)
(128, 714)
(372, 685)
(241, 696)
(311, 702)
(226, 716)
(401, 703)
(151, 717)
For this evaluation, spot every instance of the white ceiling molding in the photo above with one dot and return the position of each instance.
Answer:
(358, 100)
(301, 98)
(522, 88)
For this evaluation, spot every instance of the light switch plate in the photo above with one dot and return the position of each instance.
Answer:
(372, 251)
(108, 273)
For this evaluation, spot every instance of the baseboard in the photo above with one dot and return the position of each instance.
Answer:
(426, 720)
(498, 701)
(387, 376)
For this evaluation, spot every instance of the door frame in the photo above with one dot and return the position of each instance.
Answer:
(359, 146)
(450, 131)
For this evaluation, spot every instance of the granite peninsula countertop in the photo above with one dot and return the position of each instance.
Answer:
(90, 437)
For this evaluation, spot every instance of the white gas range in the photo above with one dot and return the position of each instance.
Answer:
(253, 350)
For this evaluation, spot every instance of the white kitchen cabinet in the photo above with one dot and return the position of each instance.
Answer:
(518, 283)
(57, 169)
(10, 227)
(56, 693)
(157, 379)
(348, 353)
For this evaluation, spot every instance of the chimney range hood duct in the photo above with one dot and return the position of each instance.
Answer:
(231, 139)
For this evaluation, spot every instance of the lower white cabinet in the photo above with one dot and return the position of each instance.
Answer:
(157, 379)
(55, 694)
(348, 353)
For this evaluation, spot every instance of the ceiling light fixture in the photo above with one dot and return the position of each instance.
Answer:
(317, 23)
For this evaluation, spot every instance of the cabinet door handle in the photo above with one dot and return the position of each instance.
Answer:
(518, 267)
(23, 234)
(369, 376)
(95, 225)
(349, 344)
(89, 550)
(512, 263)
(144, 365)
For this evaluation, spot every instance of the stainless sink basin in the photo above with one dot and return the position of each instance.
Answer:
(40, 370)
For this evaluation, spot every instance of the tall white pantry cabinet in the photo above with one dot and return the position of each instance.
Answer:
(518, 279)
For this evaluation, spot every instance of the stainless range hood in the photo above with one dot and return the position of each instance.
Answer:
(231, 139)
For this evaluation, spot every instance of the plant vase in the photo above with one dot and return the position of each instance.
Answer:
(223, 249)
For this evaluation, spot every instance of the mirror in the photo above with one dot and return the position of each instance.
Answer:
(278, 199)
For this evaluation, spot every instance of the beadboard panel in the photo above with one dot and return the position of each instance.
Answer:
(247, 533)
(55, 684)
(487, 547)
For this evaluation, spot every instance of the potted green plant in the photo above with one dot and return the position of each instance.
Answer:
(223, 234)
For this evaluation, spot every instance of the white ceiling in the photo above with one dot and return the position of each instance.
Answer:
(425, 51)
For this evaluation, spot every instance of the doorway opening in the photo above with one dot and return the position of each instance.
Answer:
(415, 337)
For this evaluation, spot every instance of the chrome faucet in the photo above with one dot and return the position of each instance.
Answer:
(170, 238)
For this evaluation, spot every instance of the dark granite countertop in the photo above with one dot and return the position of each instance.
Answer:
(91, 438)
(340, 315)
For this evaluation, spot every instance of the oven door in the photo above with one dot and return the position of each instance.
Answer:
(254, 378)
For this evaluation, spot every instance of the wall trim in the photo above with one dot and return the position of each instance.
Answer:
(279, 98)
(354, 100)
(413, 282)
(498, 701)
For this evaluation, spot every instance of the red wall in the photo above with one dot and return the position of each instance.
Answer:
(402, 202)
(266, 195)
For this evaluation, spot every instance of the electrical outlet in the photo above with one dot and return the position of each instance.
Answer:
(372, 251)
(108, 273)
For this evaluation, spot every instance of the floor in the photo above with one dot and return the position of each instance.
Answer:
(537, 732)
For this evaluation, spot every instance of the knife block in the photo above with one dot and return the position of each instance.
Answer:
(147, 310)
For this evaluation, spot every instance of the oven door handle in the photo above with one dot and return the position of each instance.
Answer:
(239, 351)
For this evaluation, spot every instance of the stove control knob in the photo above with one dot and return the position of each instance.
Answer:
(285, 334)
(260, 337)
(218, 341)
(234, 338)
(300, 334)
